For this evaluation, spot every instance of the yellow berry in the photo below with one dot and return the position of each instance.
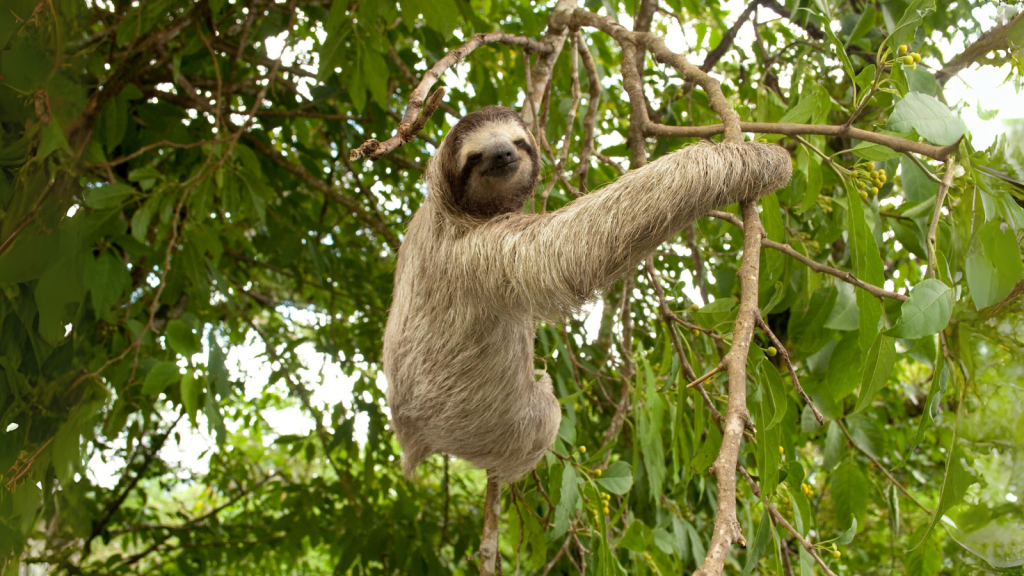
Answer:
(583, 449)
(881, 173)
(694, 307)
(836, 554)
(863, 195)
(871, 165)
(785, 501)
(771, 351)
(782, 450)
(696, 332)
(874, 191)
(598, 472)
(908, 60)
(902, 49)
(874, 173)
(916, 56)
(606, 511)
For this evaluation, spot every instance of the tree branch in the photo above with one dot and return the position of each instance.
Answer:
(489, 557)
(994, 39)
(789, 364)
(893, 142)
(420, 108)
(816, 266)
(940, 198)
(727, 527)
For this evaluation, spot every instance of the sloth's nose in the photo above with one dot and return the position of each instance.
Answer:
(503, 155)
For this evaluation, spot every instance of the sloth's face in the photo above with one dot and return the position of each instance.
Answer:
(496, 163)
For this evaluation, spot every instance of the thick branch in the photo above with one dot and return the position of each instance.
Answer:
(489, 539)
(816, 266)
(727, 527)
(994, 39)
(540, 74)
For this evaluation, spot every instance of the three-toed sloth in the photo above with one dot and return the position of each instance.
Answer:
(475, 272)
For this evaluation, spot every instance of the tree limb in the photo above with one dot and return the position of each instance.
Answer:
(788, 250)
(727, 527)
(994, 39)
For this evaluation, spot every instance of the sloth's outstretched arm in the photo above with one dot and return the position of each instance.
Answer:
(550, 264)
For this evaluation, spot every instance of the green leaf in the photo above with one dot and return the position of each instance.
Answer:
(844, 367)
(775, 394)
(880, 361)
(215, 368)
(850, 490)
(637, 536)
(903, 32)
(840, 50)
(107, 196)
(618, 478)
(864, 24)
(709, 451)
(847, 536)
(955, 483)
(759, 542)
(835, 442)
(567, 431)
(917, 187)
(871, 151)
(109, 280)
(993, 265)
(191, 389)
(926, 313)
(159, 377)
(813, 186)
(930, 118)
(867, 265)
(182, 339)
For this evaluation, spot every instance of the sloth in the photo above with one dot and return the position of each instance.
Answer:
(475, 272)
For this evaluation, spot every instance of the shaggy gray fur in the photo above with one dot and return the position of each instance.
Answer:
(459, 342)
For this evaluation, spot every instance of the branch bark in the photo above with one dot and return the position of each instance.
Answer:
(816, 266)
(727, 527)
(492, 514)
(420, 107)
(994, 39)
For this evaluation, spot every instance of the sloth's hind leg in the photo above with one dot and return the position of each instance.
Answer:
(535, 431)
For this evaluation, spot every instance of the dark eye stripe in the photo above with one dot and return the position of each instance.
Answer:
(472, 159)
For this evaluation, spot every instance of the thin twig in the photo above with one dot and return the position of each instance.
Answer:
(816, 266)
(933, 227)
(789, 364)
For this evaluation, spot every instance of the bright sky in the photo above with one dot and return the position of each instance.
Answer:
(330, 386)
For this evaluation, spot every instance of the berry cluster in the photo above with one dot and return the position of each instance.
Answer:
(605, 499)
(869, 181)
(906, 57)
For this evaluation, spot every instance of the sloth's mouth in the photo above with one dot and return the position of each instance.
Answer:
(502, 169)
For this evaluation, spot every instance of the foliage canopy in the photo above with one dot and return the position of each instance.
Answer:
(185, 245)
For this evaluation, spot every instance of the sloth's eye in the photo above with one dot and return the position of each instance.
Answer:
(520, 142)
(474, 158)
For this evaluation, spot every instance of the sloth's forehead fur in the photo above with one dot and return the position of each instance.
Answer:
(488, 135)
